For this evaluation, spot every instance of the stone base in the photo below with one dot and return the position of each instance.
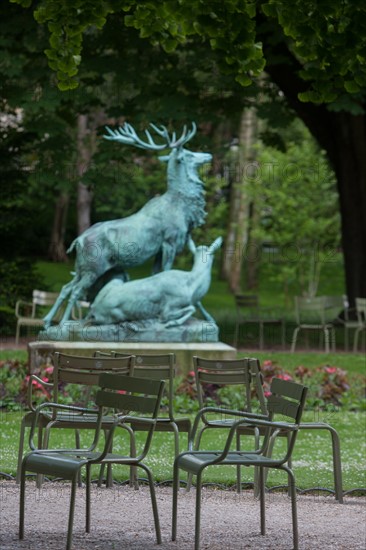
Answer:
(193, 330)
(41, 352)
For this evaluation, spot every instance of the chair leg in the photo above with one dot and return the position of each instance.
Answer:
(153, 502)
(22, 503)
(262, 498)
(333, 339)
(294, 507)
(238, 471)
(355, 341)
(198, 512)
(17, 334)
(294, 339)
(87, 498)
(71, 511)
(326, 334)
(175, 498)
(20, 450)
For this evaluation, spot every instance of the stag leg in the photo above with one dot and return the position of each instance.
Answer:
(78, 292)
(65, 292)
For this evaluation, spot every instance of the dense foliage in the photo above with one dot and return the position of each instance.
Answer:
(330, 387)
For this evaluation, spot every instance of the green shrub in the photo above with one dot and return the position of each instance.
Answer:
(18, 279)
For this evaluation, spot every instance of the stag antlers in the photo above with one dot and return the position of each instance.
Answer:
(126, 134)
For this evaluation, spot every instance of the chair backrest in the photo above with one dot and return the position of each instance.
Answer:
(243, 373)
(132, 396)
(287, 400)
(157, 367)
(318, 309)
(310, 310)
(86, 371)
(361, 310)
(44, 298)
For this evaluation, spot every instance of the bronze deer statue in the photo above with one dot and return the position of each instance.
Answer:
(160, 229)
(170, 297)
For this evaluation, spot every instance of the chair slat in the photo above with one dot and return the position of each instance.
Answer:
(126, 402)
(225, 378)
(154, 373)
(280, 405)
(87, 378)
(130, 384)
(286, 388)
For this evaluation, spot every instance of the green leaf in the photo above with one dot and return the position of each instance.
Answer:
(243, 80)
(351, 86)
(170, 45)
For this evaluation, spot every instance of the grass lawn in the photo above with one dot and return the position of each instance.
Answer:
(312, 458)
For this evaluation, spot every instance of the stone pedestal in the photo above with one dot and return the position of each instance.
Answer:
(150, 330)
(41, 351)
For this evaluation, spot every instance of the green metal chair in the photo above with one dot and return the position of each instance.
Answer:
(249, 312)
(142, 397)
(317, 313)
(162, 367)
(287, 400)
(70, 369)
(242, 374)
(361, 320)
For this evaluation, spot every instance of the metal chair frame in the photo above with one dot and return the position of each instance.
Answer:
(141, 396)
(287, 399)
(76, 370)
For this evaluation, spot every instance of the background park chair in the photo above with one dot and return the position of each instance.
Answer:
(287, 400)
(361, 320)
(317, 314)
(30, 314)
(127, 395)
(70, 369)
(249, 312)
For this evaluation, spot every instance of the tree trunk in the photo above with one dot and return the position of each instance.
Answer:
(237, 236)
(253, 253)
(349, 161)
(56, 250)
(343, 136)
(84, 155)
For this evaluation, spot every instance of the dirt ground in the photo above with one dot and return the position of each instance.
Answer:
(122, 519)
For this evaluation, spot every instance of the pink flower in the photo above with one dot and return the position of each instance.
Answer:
(267, 363)
(123, 392)
(191, 373)
(48, 370)
(267, 393)
(331, 370)
(284, 376)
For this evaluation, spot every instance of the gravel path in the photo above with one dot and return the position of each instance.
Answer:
(122, 519)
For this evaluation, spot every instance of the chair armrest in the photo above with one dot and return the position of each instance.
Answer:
(228, 412)
(35, 378)
(20, 304)
(136, 420)
(52, 406)
(269, 424)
